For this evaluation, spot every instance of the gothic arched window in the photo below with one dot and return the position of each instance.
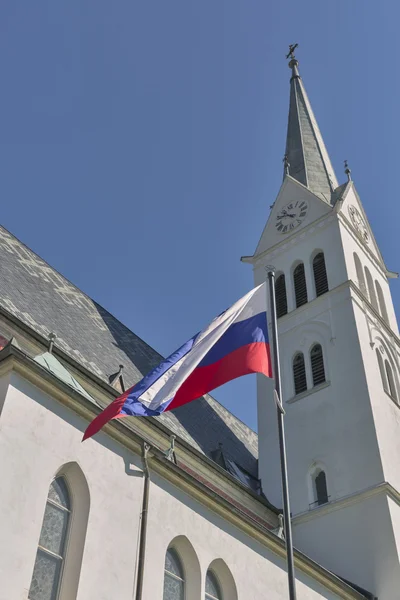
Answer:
(320, 277)
(317, 364)
(390, 380)
(213, 590)
(371, 289)
(321, 489)
(300, 286)
(382, 370)
(174, 581)
(299, 374)
(280, 296)
(382, 304)
(50, 555)
(360, 275)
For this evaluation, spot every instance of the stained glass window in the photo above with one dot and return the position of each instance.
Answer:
(174, 582)
(50, 554)
(213, 590)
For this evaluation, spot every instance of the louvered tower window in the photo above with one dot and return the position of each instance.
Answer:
(300, 287)
(317, 364)
(299, 374)
(280, 296)
(390, 380)
(320, 277)
(321, 488)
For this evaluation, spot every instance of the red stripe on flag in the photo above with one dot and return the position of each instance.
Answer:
(253, 358)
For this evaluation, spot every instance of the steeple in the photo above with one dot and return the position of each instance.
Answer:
(306, 158)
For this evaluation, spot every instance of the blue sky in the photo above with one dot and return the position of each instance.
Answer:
(141, 142)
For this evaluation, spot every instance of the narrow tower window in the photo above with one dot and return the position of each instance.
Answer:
(300, 286)
(382, 371)
(213, 590)
(371, 289)
(390, 380)
(360, 275)
(382, 304)
(321, 489)
(320, 277)
(317, 364)
(50, 555)
(299, 374)
(280, 295)
(174, 582)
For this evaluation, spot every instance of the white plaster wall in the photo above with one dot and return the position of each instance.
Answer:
(256, 571)
(357, 542)
(38, 436)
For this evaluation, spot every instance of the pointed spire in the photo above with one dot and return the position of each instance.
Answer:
(306, 154)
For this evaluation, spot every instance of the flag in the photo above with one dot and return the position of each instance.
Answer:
(234, 344)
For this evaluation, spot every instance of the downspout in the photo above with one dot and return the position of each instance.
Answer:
(143, 522)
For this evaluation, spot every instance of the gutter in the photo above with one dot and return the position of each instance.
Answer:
(143, 522)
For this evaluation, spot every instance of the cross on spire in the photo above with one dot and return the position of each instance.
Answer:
(292, 48)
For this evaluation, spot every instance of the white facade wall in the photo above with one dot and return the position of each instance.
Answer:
(38, 437)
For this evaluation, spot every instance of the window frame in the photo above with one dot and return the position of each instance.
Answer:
(61, 557)
(298, 265)
(312, 348)
(323, 273)
(178, 559)
(207, 596)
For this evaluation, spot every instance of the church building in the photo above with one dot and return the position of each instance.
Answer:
(188, 505)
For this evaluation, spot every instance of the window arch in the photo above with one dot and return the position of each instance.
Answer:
(222, 576)
(320, 276)
(299, 373)
(300, 286)
(213, 589)
(317, 364)
(321, 489)
(390, 380)
(371, 289)
(381, 300)
(174, 580)
(280, 296)
(360, 275)
(49, 563)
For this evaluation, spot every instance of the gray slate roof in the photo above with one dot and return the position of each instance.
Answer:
(305, 149)
(40, 297)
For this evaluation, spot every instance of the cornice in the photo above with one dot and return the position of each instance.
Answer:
(319, 511)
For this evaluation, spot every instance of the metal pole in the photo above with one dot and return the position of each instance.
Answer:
(143, 522)
(282, 448)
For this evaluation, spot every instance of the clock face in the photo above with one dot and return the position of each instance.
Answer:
(359, 223)
(291, 216)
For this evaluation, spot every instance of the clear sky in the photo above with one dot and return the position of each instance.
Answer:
(141, 142)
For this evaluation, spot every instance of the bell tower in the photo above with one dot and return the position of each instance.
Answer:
(339, 351)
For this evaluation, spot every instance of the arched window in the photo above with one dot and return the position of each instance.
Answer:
(390, 380)
(360, 275)
(50, 555)
(382, 304)
(371, 289)
(280, 295)
(382, 370)
(174, 581)
(320, 277)
(299, 374)
(321, 489)
(300, 286)
(213, 590)
(317, 364)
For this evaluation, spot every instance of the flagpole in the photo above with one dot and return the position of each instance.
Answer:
(281, 430)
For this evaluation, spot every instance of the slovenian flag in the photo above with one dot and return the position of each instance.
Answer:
(234, 344)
